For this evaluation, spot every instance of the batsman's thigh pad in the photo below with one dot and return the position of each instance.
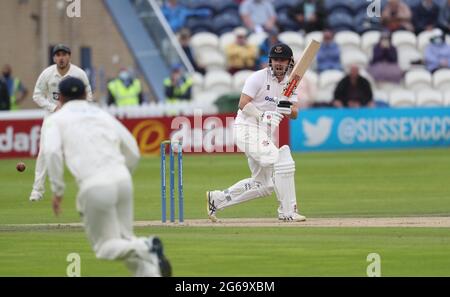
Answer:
(256, 144)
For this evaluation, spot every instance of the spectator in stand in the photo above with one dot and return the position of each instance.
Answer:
(437, 53)
(266, 45)
(329, 55)
(425, 16)
(353, 91)
(258, 15)
(396, 15)
(175, 14)
(125, 90)
(16, 90)
(184, 39)
(384, 65)
(4, 96)
(240, 54)
(444, 17)
(178, 86)
(309, 14)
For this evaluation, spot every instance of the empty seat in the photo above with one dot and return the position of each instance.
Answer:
(314, 35)
(212, 60)
(294, 40)
(340, 21)
(347, 40)
(353, 57)
(199, 24)
(429, 98)
(281, 5)
(257, 38)
(312, 77)
(205, 41)
(418, 79)
(447, 98)
(404, 40)
(328, 79)
(239, 79)
(285, 23)
(197, 85)
(226, 22)
(441, 79)
(381, 96)
(402, 98)
(368, 40)
(339, 6)
(218, 81)
(407, 56)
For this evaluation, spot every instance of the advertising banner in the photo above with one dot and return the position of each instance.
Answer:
(377, 128)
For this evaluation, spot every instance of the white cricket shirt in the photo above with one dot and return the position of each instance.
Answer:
(46, 92)
(264, 88)
(91, 141)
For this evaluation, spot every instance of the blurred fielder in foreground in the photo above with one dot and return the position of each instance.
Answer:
(46, 95)
(258, 116)
(101, 154)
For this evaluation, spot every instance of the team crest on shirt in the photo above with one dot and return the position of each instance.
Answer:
(265, 143)
(56, 96)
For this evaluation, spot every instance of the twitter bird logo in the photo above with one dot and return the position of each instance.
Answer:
(317, 134)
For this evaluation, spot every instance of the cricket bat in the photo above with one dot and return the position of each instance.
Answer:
(300, 68)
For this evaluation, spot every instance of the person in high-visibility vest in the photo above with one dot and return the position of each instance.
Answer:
(16, 90)
(125, 90)
(178, 86)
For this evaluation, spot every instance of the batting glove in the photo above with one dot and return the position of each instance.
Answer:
(284, 107)
(272, 118)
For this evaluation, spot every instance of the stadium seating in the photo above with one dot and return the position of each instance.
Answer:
(226, 39)
(283, 5)
(285, 23)
(429, 98)
(353, 57)
(199, 24)
(418, 79)
(212, 60)
(402, 98)
(257, 38)
(368, 40)
(329, 79)
(339, 6)
(223, 23)
(294, 40)
(239, 79)
(340, 21)
(347, 40)
(441, 79)
(218, 81)
(423, 39)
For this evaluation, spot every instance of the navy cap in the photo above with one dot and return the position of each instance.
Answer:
(60, 48)
(72, 88)
(280, 50)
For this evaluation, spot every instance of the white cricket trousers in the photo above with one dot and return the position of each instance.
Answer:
(105, 202)
(40, 172)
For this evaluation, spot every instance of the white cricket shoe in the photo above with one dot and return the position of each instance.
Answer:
(296, 217)
(36, 196)
(210, 207)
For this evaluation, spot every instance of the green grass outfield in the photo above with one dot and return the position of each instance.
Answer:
(346, 184)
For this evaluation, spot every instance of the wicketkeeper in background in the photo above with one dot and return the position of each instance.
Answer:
(258, 117)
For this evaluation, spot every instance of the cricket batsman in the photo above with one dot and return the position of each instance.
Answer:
(259, 114)
(46, 95)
